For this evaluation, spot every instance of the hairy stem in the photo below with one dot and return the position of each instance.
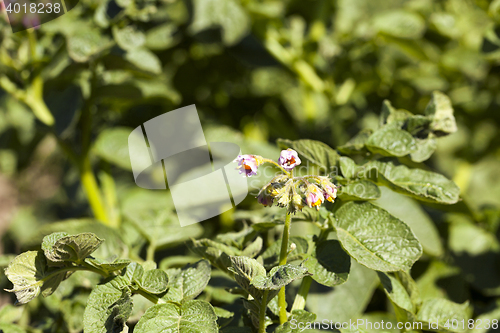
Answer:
(283, 256)
(148, 296)
(300, 299)
(276, 164)
(262, 314)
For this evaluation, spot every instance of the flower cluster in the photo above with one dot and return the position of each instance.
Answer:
(285, 190)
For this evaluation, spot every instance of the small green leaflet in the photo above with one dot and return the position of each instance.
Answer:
(245, 271)
(186, 284)
(61, 247)
(30, 275)
(280, 276)
(192, 316)
(108, 307)
(108, 267)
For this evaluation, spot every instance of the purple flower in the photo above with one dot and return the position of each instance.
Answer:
(289, 159)
(330, 193)
(314, 197)
(247, 164)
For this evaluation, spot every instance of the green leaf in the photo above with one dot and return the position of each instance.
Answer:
(191, 317)
(154, 281)
(313, 151)
(253, 248)
(420, 184)
(357, 144)
(133, 273)
(188, 283)
(49, 241)
(389, 141)
(108, 307)
(399, 297)
(227, 14)
(11, 328)
(329, 264)
(400, 23)
(348, 167)
(223, 313)
(389, 115)
(443, 121)
(298, 317)
(245, 271)
(418, 125)
(145, 60)
(346, 301)
(271, 255)
(152, 214)
(410, 286)
(30, 275)
(410, 212)
(218, 254)
(162, 37)
(280, 276)
(72, 248)
(128, 37)
(112, 145)
(113, 246)
(108, 267)
(440, 310)
(359, 190)
(375, 238)
(425, 148)
(86, 44)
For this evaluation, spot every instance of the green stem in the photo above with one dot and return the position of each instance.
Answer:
(150, 255)
(89, 184)
(91, 268)
(279, 166)
(262, 314)
(85, 267)
(283, 256)
(149, 297)
(109, 190)
(300, 300)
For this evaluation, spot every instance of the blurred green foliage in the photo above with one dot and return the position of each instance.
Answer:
(257, 70)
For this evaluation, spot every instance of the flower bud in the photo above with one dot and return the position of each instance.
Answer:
(264, 197)
(329, 189)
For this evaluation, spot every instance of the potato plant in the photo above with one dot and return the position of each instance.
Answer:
(381, 214)
(340, 205)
